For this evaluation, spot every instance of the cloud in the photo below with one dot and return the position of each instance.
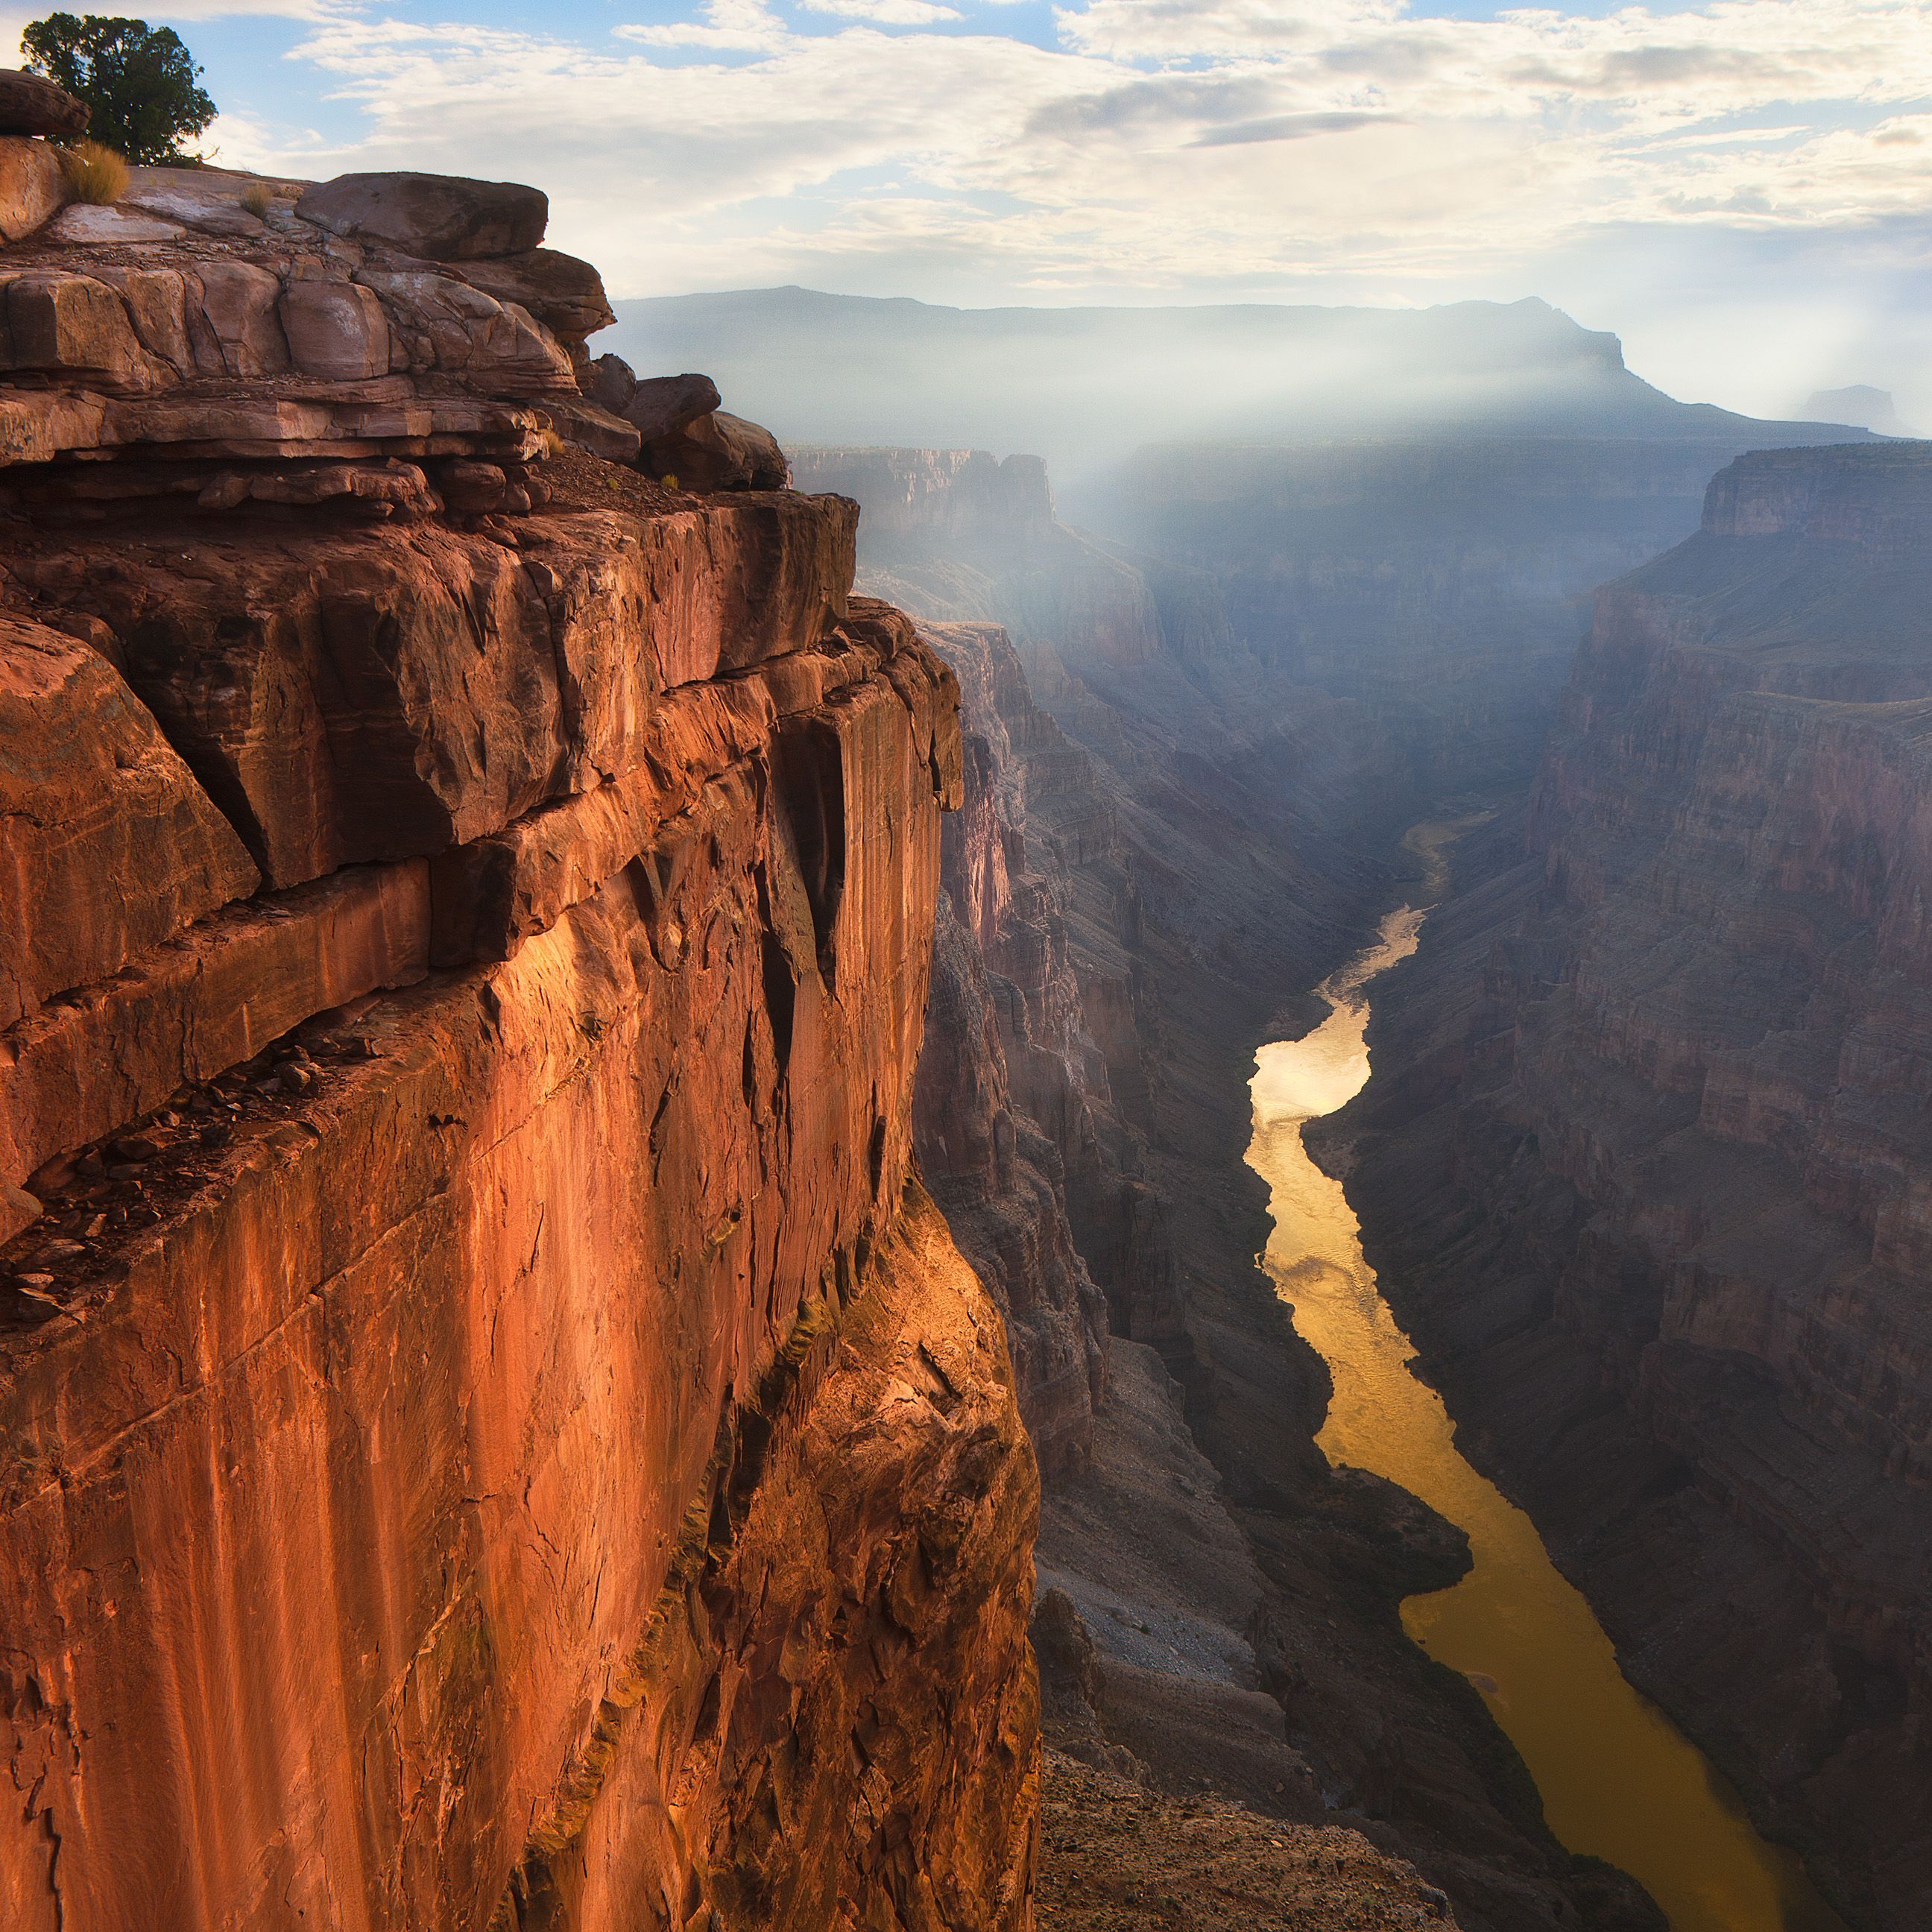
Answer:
(1159, 148)
(886, 13)
(1284, 127)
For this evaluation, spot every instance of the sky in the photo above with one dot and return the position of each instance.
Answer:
(1742, 190)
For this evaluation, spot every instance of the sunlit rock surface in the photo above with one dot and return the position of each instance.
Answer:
(493, 1433)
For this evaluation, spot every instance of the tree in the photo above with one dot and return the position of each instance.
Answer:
(140, 83)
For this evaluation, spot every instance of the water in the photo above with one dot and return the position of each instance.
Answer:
(1618, 1778)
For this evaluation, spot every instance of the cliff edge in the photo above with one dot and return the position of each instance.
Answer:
(493, 1433)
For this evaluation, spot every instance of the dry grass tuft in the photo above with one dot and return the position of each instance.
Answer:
(98, 175)
(258, 197)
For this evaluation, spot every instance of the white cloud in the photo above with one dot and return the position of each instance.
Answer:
(887, 12)
(1200, 148)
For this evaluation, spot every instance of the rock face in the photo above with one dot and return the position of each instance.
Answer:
(1647, 1176)
(1013, 1100)
(493, 1433)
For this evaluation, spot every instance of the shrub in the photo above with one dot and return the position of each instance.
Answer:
(96, 174)
(258, 197)
(140, 83)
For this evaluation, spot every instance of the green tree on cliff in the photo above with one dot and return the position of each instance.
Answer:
(140, 83)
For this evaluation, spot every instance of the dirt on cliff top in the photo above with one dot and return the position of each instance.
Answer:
(1119, 1858)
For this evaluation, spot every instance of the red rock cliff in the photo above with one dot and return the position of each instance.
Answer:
(492, 1432)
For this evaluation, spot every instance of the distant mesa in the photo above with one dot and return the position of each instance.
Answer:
(1861, 405)
(1084, 387)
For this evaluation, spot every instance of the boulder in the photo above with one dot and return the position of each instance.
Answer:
(719, 452)
(663, 405)
(76, 328)
(33, 184)
(239, 301)
(207, 213)
(564, 294)
(447, 325)
(608, 382)
(441, 217)
(593, 430)
(335, 330)
(31, 104)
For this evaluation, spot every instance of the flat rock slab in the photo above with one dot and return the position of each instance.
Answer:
(86, 225)
(441, 218)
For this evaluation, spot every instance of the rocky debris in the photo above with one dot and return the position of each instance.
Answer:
(440, 217)
(1117, 1857)
(30, 104)
(33, 185)
(1646, 1173)
(92, 1200)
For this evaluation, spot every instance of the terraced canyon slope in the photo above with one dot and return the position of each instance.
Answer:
(493, 1433)
(1646, 1173)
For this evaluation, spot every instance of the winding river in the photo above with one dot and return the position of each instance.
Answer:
(1618, 1779)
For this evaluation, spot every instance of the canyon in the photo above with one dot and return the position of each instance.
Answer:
(1645, 1181)
(628, 1281)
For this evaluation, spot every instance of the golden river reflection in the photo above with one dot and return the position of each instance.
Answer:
(1618, 1779)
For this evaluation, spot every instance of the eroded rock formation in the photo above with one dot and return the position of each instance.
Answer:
(492, 1432)
(1647, 1178)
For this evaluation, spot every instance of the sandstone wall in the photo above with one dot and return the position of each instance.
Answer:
(1648, 1176)
(494, 1433)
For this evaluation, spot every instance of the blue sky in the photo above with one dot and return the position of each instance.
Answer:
(1741, 189)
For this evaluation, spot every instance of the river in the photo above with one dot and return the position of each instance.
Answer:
(1618, 1779)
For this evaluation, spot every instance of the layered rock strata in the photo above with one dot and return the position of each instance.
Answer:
(494, 1433)
(1644, 1170)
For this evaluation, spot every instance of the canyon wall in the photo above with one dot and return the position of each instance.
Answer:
(1646, 1174)
(495, 1432)
(1119, 912)
(1441, 584)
